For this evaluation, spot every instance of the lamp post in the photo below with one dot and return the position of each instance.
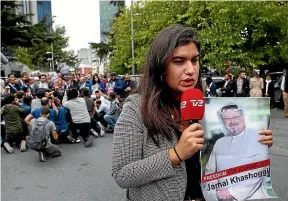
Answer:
(49, 56)
(52, 57)
(51, 39)
(132, 38)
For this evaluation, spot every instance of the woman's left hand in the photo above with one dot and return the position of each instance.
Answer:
(266, 137)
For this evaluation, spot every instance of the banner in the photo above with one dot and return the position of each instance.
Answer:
(64, 68)
(235, 165)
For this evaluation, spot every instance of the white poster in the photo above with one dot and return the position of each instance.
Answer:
(235, 165)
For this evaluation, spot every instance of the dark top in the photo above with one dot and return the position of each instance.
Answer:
(193, 169)
(286, 83)
(90, 105)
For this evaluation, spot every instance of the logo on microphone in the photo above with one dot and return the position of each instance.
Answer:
(195, 103)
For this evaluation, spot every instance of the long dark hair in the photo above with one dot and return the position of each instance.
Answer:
(157, 98)
(93, 79)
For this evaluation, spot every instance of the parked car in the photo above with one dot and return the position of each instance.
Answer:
(277, 77)
(218, 80)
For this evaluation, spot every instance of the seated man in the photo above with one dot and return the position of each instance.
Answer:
(101, 110)
(95, 130)
(61, 123)
(41, 128)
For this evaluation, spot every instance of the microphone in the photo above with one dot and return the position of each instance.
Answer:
(192, 105)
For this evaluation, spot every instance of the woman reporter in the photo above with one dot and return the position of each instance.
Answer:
(155, 154)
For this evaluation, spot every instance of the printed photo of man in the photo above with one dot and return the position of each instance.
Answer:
(238, 147)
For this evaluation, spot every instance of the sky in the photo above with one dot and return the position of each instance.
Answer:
(81, 19)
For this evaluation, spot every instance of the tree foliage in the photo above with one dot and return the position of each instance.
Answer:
(30, 43)
(16, 30)
(248, 34)
(120, 4)
(147, 20)
(101, 49)
(70, 58)
(36, 55)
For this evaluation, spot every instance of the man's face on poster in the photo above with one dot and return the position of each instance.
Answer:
(233, 121)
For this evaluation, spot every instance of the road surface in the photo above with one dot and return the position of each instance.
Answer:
(84, 174)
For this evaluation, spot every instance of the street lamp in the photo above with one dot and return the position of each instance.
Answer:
(49, 56)
(52, 53)
(50, 40)
(132, 38)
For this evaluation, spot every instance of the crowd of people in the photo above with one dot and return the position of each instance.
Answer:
(245, 86)
(41, 112)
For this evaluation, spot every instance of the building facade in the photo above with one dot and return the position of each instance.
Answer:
(107, 14)
(44, 10)
(38, 9)
(85, 56)
(84, 69)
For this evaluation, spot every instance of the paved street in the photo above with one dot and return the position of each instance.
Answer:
(84, 174)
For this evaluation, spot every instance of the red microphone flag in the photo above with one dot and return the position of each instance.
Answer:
(192, 105)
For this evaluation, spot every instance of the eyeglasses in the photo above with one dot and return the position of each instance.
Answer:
(232, 118)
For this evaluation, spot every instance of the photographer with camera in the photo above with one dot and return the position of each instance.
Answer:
(46, 102)
(11, 112)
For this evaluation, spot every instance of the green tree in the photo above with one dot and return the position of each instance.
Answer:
(120, 4)
(101, 49)
(248, 34)
(23, 55)
(70, 58)
(36, 55)
(148, 21)
(16, 30)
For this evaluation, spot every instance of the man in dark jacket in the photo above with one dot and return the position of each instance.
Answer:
(129, 85)
(268, 90)
(241, 85)
(227, 89)
(118, 85)
(12, 85)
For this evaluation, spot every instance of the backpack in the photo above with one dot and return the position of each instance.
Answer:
(37, 139)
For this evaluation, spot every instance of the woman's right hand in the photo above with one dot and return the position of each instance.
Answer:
(191, 141)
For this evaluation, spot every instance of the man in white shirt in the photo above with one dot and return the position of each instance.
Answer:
(284, 88)
(42, 84)
(100, 95)
(238, 147)
(101, 107)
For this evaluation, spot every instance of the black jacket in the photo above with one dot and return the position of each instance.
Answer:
(245, 87)
(286, 83)
(227, 91)
(13, 89)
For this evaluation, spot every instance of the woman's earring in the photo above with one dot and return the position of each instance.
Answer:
(162, 78)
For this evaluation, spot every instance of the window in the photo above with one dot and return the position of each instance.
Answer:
(16, 73)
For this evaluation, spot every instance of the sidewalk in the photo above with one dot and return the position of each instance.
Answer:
(279, 126)
(279, 154)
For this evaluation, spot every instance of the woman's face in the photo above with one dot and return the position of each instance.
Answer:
(183, 68)
(96, 79)
(59, 81)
